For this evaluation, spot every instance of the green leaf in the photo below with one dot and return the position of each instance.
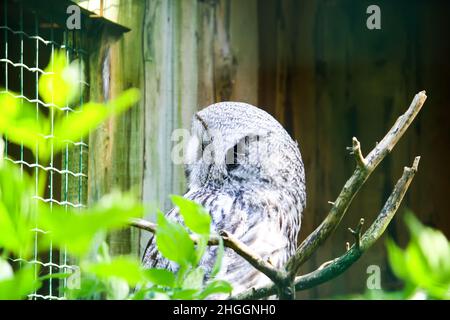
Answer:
(174, 242)
(396, 259)
(9, 107)
(425, 263)
(219, 256)
(140, 294)
(125, 268)
(436, 249)
(60, 275)
(160, 277)
(194, 279)
(13, 233)
(118, 289)
(60, 84)
(160, 296)
(185, 294)
(146, 293)
(200, 248)
(415, 227)
(16, 211)
(78, 124)
(90, 288)
(123, 102)
(436, 282)
(22, 125)
(103, 252)
(195, 216)
(20, 285)
(215, 287)
(76, 230)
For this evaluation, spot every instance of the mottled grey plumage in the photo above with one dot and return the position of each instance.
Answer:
(259, 197)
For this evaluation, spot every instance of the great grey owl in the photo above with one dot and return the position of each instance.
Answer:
(253, 184)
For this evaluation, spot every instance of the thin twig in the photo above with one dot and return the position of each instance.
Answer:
(355, 150)
(229, 241)
(255, 260)
(143, 224)
(357, 232)
(151, 227)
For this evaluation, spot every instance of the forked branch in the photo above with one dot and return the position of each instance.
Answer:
(365, 166)
(286, 277)
(342, 263)
(229, 241)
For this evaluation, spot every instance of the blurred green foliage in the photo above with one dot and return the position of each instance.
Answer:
(23, 123)
(16, 211)
(79, 231)
(423, 266)
(14, 286)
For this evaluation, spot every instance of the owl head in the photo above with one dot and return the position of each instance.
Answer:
(237, 143)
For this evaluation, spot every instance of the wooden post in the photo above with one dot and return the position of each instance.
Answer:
(193, 56)
(183, 55)
(116, 147)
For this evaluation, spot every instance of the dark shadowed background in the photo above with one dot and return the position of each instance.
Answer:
(328, 78)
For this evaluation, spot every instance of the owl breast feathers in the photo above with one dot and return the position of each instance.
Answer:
(245, 169)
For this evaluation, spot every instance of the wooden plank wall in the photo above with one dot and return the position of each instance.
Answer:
(190, 61)
(116, 147)
(344, 80)
(313, 65)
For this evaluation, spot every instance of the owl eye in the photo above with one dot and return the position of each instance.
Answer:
(240, 152)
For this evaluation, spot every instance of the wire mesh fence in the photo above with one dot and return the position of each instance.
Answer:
(28, 38)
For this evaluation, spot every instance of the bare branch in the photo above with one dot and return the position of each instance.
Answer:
(352, 186)
(386, 145)
(367, 240)
(327, 263)
(256, 293)
(255, 260)
(229, 241)
(151, 227)
(143, 224)
(334, 268)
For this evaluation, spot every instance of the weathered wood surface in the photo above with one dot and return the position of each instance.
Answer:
(192, 58)
(313, 65)
(116, 147)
